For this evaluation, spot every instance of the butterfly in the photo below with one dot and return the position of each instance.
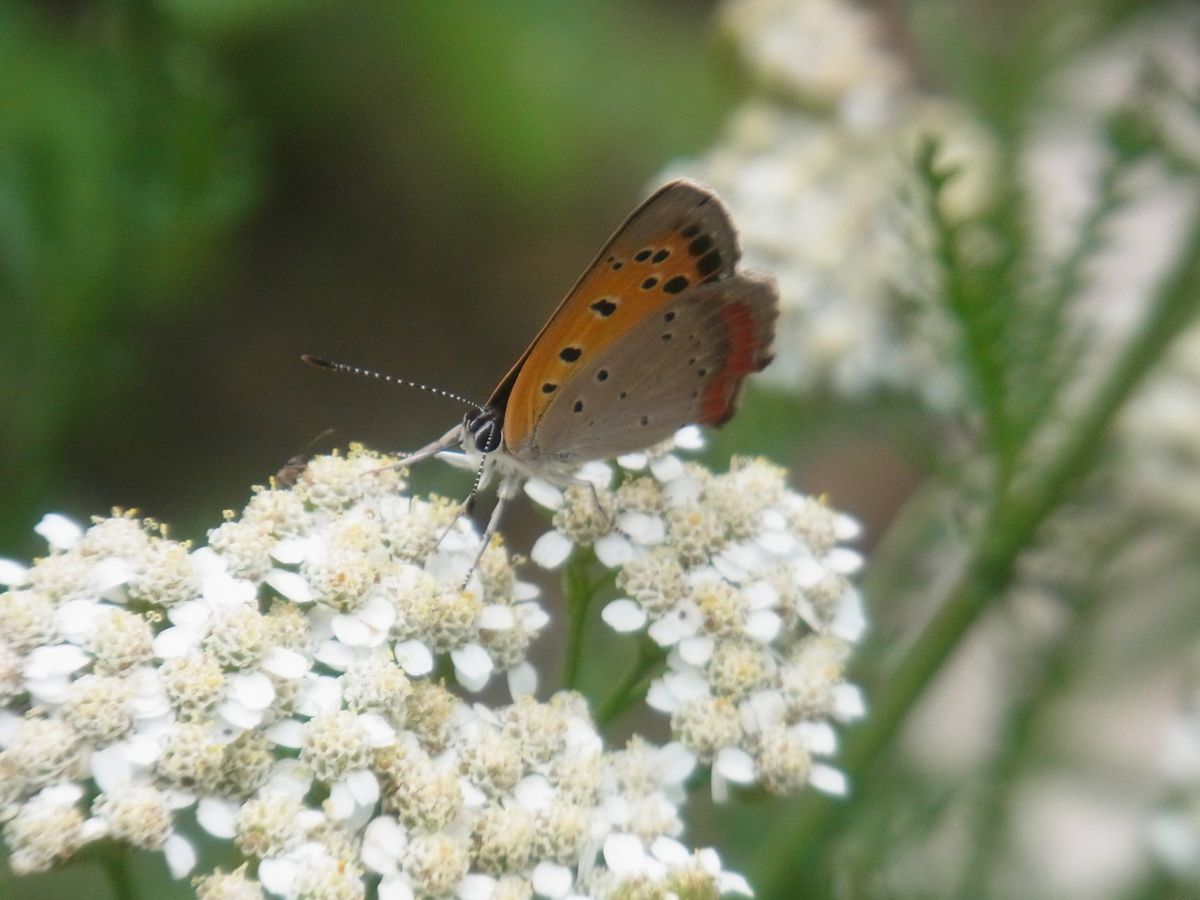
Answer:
(659, 332)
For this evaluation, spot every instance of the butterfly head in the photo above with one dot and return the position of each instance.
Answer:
(483, 428)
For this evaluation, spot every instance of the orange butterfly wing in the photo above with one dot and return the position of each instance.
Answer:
(680, 237)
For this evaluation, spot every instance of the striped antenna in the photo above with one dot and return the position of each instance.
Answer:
(322, 363)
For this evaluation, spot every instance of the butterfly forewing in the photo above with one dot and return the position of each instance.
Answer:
(678, 240)
(684, 364)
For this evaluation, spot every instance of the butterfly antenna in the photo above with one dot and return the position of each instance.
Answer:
(322, 363)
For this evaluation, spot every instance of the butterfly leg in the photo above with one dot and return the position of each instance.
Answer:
(508, 489)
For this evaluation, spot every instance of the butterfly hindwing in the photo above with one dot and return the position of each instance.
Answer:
(685, 364)
(678, 240)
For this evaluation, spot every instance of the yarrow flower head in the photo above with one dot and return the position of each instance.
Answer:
(745, 584)
(274, 688)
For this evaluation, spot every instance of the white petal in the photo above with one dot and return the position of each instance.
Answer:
(761, 595)
(286, 664)
(733, 883)
(764, 709)
(777, 543)
(522, 680)
(763, 625)
(351, 631)
(472, 666)
(848, 702)
(532, 616)
(624, 854)
(670, 851)
(319, 694)
(335, 654)
(414, 658)
(659, 697)
(533, 792)
(689, 437)
(291, 585)
(254, 690)
(77, 620)
(172, 643)
(289, 552)
(286, 733)
(60, 532)
(735, 765)
(642, 528)
(497, 617)
(828, 780)
(675, 762)
(597, 472)
(364, 787)
(383, 842)
(623, 616)
(850, 621)
(12, 573)
(476, 887)
(613, 550)
(696, 651)
(58, 660)
(666, 468)
(846, 528)
(180, 856)
(543, 493)
(378, 613)
(525, 590)
(633, 462)
(682, 492)
(686, 685)
(239, 716)
(379, 731)
(111, 768)
(339, 805)
(277, 874)
(551, 880)
(217, 817)
(844, 560)
(551, 550)
(818, 737)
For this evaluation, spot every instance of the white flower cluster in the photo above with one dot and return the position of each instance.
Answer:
(819, 181)
(745, 583)
(271, 688)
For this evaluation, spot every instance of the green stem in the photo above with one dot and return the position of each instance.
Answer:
(990, 569)
(649, 656)
(578, 590)
(115, 861)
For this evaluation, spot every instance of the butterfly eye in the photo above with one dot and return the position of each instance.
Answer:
(484, 426)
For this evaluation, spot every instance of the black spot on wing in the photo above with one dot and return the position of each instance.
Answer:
(709, 263)
(676, 284)
(569, 354)
(604, 307)
(549, 387)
